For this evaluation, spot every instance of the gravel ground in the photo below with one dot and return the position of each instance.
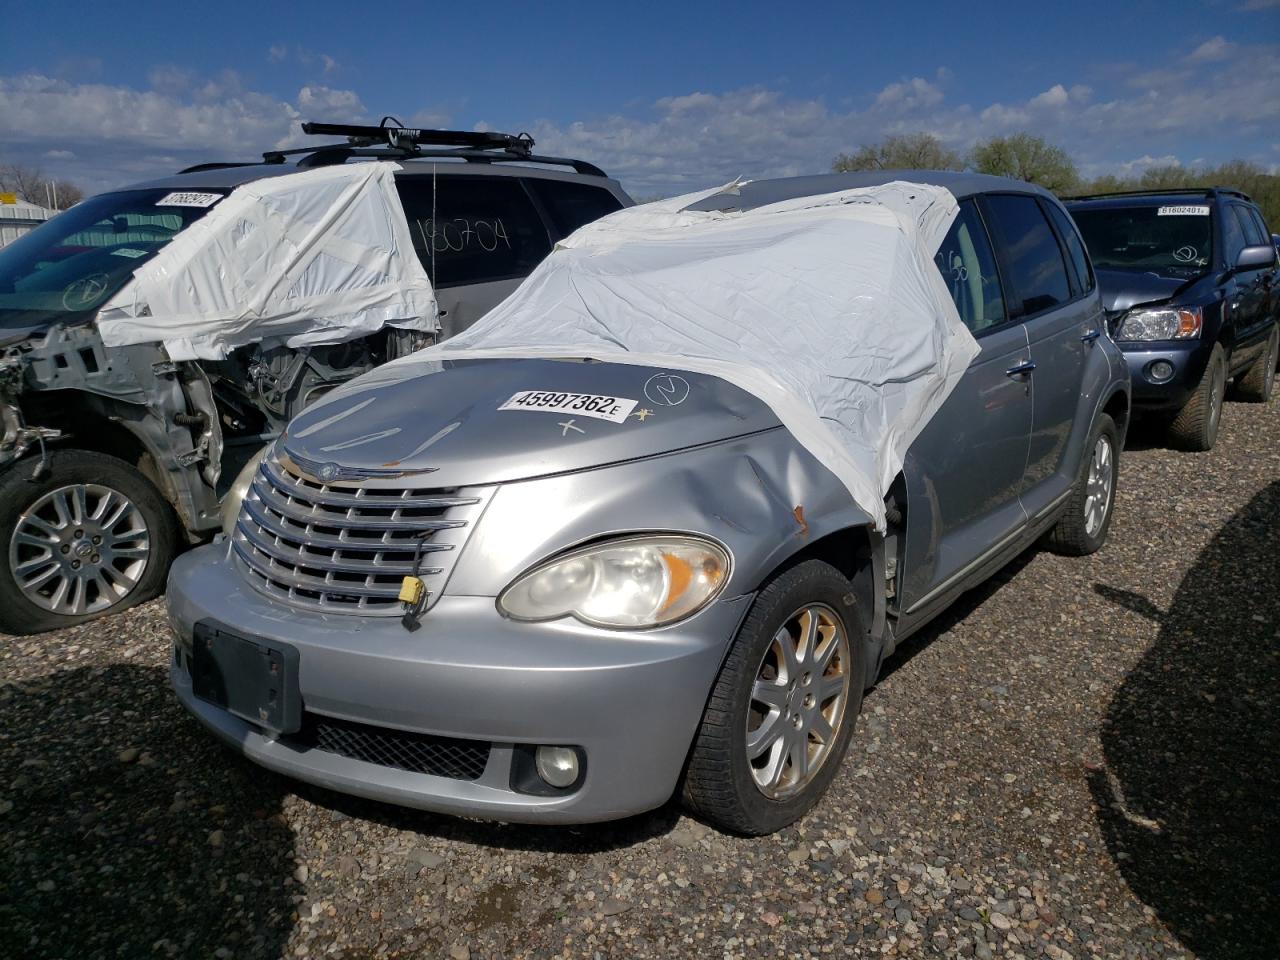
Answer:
(1081, 760)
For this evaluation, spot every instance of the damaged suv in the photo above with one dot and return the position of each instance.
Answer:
(142, 363)
(656, 521)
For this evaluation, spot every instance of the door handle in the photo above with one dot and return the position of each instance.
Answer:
(1022, 369)
(1090, 335)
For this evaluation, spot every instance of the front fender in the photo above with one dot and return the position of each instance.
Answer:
(762, 496)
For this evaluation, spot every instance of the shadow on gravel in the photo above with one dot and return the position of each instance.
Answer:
(1189, 798)
(965, 604)
(131, 834)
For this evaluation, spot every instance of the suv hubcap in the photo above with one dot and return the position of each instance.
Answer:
(798, 701)
(1097, 491)
(79, 549)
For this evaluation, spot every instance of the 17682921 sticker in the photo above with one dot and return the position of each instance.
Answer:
(615, 409)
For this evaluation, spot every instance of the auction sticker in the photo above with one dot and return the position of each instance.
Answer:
(1195, 210)
(186, 198)
(616, 409)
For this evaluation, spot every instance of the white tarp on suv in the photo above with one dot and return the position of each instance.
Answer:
(318, 256)
(829, 309)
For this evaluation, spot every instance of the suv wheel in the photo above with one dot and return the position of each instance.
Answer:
(1196, 425)
(783, 708)
(92, 536)
(1256, 384)
(1083, 528)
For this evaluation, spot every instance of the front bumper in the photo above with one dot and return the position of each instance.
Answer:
(1188, 359)
(631, 701)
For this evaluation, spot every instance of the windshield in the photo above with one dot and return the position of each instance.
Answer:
(70, 266)
(1175, 240)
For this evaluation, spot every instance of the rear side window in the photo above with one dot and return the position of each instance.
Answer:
(570, 205)
(1075, 246)
(1233, 238)
(1249, 224)
(475, 230)
(1035, 270)
(968, 267)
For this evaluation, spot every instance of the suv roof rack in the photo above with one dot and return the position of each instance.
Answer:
(1170, 191)
(392, 139)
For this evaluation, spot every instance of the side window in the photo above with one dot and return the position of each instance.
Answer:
(476, 230)
(1035, 270)
(1253, 234)
(1262, 224)
(968, 267)
(570, 205)
(1233, 240)
(1075, 246)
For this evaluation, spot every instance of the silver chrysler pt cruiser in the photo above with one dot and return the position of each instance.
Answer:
(688, 601)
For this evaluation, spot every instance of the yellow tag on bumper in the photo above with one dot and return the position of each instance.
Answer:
(411, 590)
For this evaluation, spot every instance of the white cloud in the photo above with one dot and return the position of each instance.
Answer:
(277, 52)
(909, 94)
(689, 139)
(1217, 48)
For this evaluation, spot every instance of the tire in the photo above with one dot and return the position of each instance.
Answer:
(1082, 529)
(1256, 384)
(1196, 425)
(720, 782)
(97, 496)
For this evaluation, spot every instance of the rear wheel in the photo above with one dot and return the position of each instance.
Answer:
(1256, 384)
(91, 536)
(783, 708)
(1083, 528)
(1196, 425)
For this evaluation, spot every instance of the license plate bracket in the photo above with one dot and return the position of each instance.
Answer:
(252, 678)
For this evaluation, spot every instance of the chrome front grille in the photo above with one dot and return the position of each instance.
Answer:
(346, 547)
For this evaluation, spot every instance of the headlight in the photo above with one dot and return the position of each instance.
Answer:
(1165, 323)
(230, 507)
(638, 582)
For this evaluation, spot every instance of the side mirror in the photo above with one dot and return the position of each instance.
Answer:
(1255, 257)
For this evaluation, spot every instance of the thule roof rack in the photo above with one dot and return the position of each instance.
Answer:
(392, 139)
(1165, 192)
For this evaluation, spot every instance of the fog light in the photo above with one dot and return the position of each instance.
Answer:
(557, 766)
(1161, 371)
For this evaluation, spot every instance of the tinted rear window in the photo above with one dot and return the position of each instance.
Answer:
(477, 230)
(570, 205)
(1037, 274)
(1075, 246)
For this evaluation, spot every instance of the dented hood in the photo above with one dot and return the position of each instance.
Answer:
(446, 422)
(1122, 289)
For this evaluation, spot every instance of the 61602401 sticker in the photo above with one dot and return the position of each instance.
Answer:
(1184, 210)
(615, 409)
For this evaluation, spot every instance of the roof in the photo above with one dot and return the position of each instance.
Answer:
(24, 210)
(229, 177)
(1145, 198)
(757, 193)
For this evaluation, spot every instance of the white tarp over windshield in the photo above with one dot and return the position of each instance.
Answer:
(829, 309)
(319, 256)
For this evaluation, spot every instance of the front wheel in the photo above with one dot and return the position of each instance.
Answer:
(90, 536)
(1196, 425)
(1082, 528)
(783, 708)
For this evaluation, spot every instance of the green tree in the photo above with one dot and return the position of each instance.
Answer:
(1026, 157)
(910, 151)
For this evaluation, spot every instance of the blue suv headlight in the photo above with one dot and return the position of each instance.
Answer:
(1161, 323)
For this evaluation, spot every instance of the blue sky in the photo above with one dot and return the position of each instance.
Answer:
(667, 96)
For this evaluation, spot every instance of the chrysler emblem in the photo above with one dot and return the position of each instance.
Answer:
(328, 472)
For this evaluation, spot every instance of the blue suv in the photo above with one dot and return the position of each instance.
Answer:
(1190, 285)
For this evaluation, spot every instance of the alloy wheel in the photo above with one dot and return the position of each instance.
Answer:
(79, 549)
(798, 701)
(1098, 484)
